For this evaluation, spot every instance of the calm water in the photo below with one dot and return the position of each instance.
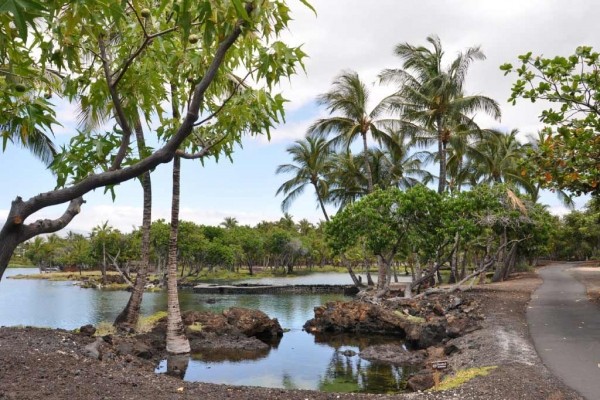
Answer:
(301, 360)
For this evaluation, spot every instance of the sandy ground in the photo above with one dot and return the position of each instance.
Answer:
(51, 364)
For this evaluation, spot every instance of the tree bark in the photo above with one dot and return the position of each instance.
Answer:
(177, 342)
(382, 273)
(131, 313)
(441, 155)
(367, 163)
(15, 231)
(321, 201)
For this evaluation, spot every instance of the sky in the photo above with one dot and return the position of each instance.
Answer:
(343, 35)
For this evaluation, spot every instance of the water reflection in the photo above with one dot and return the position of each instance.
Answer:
(346, 374)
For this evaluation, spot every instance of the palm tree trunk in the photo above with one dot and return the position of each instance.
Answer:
(367, 163)
(131, 312)
(441, 155)
(103, 263)
(320, 201)
(177, 342)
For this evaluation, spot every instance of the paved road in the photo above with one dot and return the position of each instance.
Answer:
(565, 328)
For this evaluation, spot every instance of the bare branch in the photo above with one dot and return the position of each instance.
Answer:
(49, 226)
(202, 153)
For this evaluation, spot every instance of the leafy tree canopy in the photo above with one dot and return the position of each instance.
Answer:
(569, 149)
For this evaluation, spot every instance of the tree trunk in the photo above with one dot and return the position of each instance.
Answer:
(8, 244)
(441, 155)
(382, 273)
(356, 281)
(131, 313)
(321, 201)
(177, 342)
(103, 263)
(454, 260)
(367, 163)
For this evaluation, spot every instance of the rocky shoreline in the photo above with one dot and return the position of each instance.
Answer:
(43, 363)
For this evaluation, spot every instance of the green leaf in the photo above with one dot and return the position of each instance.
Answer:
(240, 9)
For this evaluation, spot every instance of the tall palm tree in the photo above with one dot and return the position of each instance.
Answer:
(101, 233)
(177, 341)
(131, 313)
(431, 96)
(311, 163)
(348, 101)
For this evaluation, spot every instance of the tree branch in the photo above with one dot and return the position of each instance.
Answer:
(201, 153)
(49, 226)
(240, 82)
(120, 113)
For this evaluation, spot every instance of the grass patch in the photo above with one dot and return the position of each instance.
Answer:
(145, 324)
(410, 318)
(64, 276)
(463, 376)
(195, 327)
(105, 328)
(17, 265)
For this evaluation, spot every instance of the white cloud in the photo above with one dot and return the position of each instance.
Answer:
(126, 218)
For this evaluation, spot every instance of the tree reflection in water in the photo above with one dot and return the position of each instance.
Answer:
(350, 373)
(353, 374)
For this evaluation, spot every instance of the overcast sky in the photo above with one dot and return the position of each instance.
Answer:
(345, 34)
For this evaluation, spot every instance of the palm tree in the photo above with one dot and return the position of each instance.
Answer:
(431, 99)
(101, 233)
(347, 179)
(495, 159)
(230, 223)
(23, 130)
(396, 165)
(177, 341)
(311, 163)
(348, 100)
(130, 314)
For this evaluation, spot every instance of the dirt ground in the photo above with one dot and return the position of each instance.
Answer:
(51, 364)
(589, 275)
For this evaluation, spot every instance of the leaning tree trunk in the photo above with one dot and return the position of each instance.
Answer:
(131, 312)
(177, 342)
(320, 198)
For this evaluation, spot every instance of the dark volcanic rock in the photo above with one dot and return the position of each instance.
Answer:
(87, 330)
(355, 316)
(421, 381)
(394, 354)
(422, 322)
(253, 323)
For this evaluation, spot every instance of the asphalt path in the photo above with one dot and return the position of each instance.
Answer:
(565, 327)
